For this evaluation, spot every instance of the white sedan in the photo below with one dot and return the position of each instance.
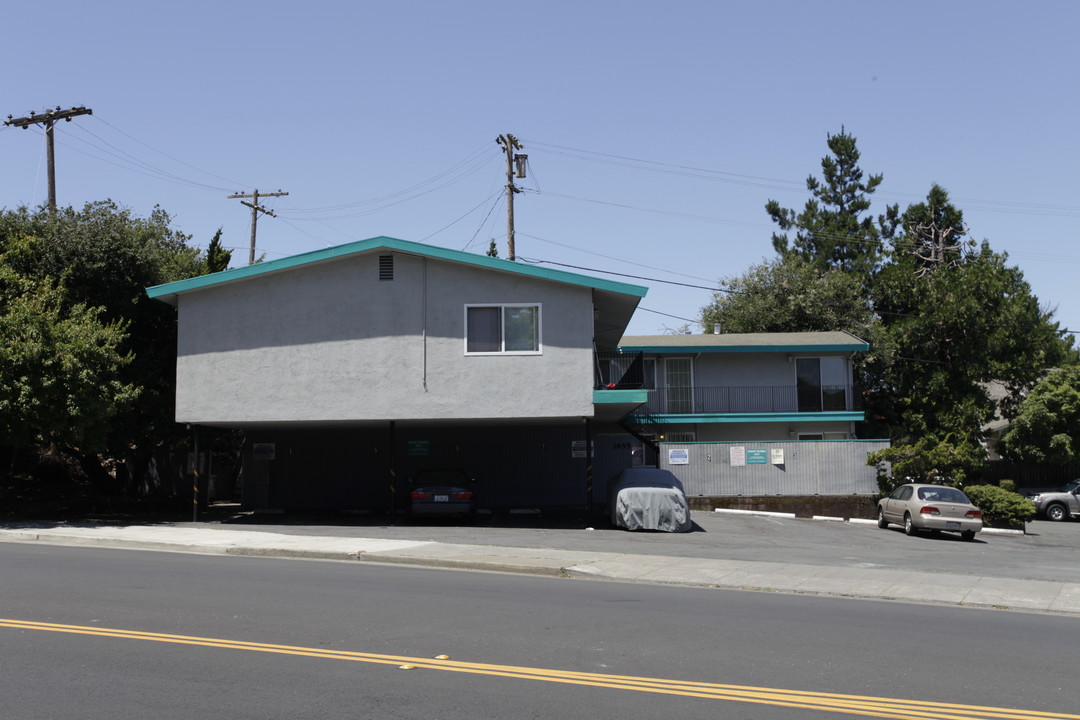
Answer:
(930, 507)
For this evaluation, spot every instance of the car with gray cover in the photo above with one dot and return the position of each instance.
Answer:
(1060, 504)
(649, 499)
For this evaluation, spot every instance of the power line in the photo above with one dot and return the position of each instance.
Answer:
(458, 171)
(627, 275)
(232, 183)
(470, 212)
(800, 186)
(164, 174)
(498, 197)
(689, 216)
(616, 259)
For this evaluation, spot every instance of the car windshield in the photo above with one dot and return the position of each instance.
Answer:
(943, 494)
(1071, 487)
(440, 477)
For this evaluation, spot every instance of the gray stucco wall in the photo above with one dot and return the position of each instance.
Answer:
(331, 342)
(808, 468)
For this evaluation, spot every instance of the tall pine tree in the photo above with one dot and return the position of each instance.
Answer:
(835, 229)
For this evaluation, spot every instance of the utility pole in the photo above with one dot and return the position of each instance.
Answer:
(515, 166)
(48, 119)
(255, 210)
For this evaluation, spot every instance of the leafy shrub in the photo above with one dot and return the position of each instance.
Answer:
(1009, 485)
(1000, 507)
(950, 461)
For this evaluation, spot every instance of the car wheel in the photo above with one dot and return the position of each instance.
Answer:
(1056, 512)
(968, 535)
(909, 529)
(881, 521)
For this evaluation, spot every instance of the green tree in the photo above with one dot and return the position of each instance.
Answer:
(835, 229)
(107, 257)
(492, 250)
(217, 257)
(953, 459)
(945, 334)
(789, 294)
(60, 385)
(933, 233)
(1047, 429)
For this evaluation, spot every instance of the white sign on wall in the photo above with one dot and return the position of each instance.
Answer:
(678, 456)
(738, 456)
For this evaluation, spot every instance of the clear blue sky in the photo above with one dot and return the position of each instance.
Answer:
(380, 118)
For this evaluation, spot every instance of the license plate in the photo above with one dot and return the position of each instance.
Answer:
(952, 526)
(442, 498)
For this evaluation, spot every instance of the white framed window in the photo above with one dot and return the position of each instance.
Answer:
(508, 329)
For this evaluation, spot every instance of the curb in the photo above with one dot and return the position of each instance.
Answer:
(449, 564)
(852, 521)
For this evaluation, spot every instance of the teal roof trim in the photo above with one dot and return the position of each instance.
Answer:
(620, 397)
(404, 246)
(756, 417)
(695, 350)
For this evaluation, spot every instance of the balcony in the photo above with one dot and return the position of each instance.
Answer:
(750, 400)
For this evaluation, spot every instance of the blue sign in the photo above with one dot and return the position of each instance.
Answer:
(757, 457)
(678, 456)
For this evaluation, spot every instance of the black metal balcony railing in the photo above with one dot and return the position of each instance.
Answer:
(776, 399)
(619, 371)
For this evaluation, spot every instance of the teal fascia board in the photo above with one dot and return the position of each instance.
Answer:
(620, 397)
(756, 417)
(404, 246)
(692, 350)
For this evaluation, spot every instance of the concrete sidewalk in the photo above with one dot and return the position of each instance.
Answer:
(900, 585)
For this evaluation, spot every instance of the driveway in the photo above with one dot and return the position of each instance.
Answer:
(1046, 552)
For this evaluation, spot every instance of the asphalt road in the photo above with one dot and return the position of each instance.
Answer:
(1047, 552)
(538, 647)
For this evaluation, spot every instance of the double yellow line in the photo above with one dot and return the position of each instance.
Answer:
(831, 702)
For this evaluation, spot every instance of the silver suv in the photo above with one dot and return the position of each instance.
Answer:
(1060, 504)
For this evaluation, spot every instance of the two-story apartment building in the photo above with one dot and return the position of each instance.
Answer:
(762, 418)
(353, 367)
(725, 387)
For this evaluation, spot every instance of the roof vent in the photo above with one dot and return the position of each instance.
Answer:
(386, 267)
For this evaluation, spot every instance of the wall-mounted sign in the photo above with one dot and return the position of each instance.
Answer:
(262, 451)
(738, 456)
(757, 456)
(777, 455)
(678, 456)
(419, 448)
(578, 449)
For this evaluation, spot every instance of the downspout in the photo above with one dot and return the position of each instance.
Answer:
(423, 323)
(851, 384)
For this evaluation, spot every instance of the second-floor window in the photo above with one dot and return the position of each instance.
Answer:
(502, 329)
(822, 384)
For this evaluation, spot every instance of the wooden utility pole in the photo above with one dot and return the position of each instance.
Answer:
(48, 119)
(255, 210)
(515, 166)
